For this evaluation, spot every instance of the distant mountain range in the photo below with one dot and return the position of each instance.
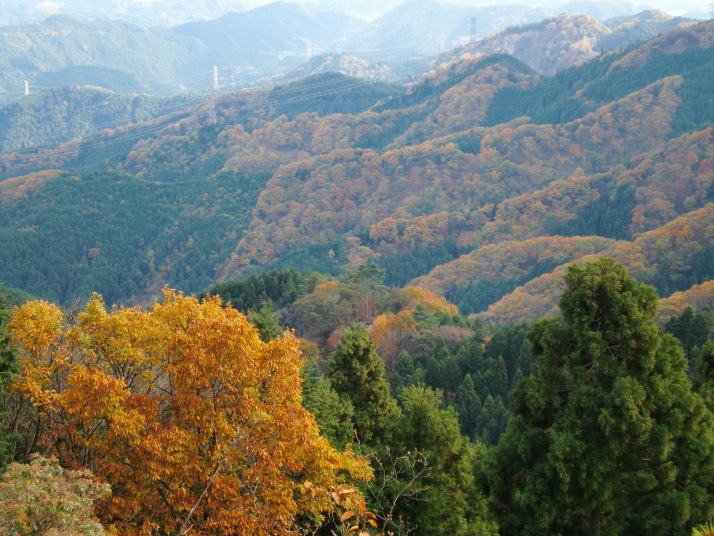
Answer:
(480, 182)
(58, 110)
(258, 45)
(562, 41)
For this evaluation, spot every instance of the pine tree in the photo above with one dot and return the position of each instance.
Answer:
(607, 436)
(357, 373)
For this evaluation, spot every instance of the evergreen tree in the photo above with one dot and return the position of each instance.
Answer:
(692, 329)
(403, 371)
(491, 420)
(704, 372)
(333, 413)
(509, 343)
(266, 321)
(607, 436)
(468, 406)
(8, 368)
(496, 379)
(470, 355)
(357, 373)
(450, 502)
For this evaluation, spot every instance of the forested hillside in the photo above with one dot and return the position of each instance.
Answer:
(329, 172)
(478, 305)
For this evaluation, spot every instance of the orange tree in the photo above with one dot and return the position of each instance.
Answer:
(194, 421)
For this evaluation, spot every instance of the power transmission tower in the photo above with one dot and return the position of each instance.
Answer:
(27, 88)
(473, 29)
(215, 78)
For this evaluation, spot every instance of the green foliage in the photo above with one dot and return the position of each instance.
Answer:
(266, 321)
(356, 373)
(491, 421)
(325, 258)
(692, 63)
(703, 358)
(475, 298)
(450, 502)
(398, 125)
(111, 233)
(276, 288)
(607, 436)
(468, 406)
(123, 56)
(477, 383)
(59, 115)
(692, 329)
(509, 342)
(403, 372)
(8, 368)
(334, 413)
(42, 498)
(401, 268)
(552, 100)
(669, 278)
(608, 216)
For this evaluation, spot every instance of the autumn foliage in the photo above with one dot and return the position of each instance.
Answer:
(194, 422)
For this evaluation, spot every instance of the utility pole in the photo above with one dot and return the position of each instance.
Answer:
(27, 88)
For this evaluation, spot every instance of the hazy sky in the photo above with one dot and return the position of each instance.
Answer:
(173, 11)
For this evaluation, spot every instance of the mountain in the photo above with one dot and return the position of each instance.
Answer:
(59, 115)
(336, 63)
(429, 27)
(116, 55)
(673, 255)
(261, 45)
(329, 172)
(276, 28)
(562, 41)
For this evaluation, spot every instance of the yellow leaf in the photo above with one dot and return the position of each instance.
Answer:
(344, 517)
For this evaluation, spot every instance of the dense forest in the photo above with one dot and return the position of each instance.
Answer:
(480, 305)
(445, 186)
(191, 416)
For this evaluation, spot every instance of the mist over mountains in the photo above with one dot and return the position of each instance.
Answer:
(282, 41)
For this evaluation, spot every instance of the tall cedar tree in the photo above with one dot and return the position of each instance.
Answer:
(357, 373)
(450, 501)
(193, 420)
(606, 436)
